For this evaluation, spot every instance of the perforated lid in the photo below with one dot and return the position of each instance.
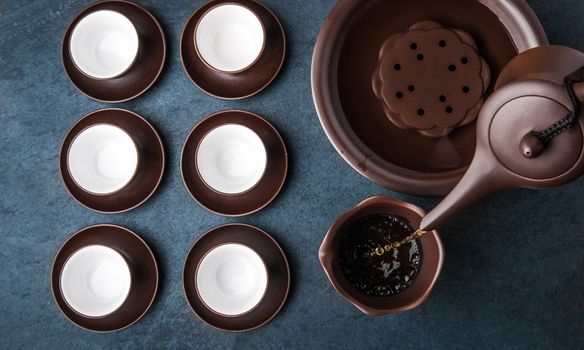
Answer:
(431, 79)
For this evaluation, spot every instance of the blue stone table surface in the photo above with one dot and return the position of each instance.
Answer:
(514, 270)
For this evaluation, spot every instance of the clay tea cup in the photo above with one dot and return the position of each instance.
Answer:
(231, 159)
(430, 246)
(103, 159)
(95, 281)
(231, 279)
(229, 38)
(104, 44)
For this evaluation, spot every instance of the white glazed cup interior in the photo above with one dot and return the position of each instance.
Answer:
(102, 159)
(104, 44)
(229, 37)
(95, 281)
(231, 159)
(231, 279)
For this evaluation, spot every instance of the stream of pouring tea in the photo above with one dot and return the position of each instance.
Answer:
(382, 249)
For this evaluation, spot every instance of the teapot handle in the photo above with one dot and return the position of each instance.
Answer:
(579, 90)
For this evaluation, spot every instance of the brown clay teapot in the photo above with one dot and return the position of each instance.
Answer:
(530, 131)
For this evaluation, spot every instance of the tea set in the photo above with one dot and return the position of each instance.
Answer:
(233, 163)
(424, 81)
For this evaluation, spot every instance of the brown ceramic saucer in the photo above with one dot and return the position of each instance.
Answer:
(262, 193)
(414, 295)
(144, 71)
(150, 166)
(346, 55)
(278, 276)
(144, 280)
(232, 86)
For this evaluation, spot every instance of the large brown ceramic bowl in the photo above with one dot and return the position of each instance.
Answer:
(346, 55)
(414, 295)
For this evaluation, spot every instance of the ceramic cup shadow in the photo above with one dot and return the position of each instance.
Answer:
(417, 292)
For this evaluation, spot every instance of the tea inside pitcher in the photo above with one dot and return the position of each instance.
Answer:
(372, 262)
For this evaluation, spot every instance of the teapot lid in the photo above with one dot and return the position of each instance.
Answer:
(511, 136)
(535, 94)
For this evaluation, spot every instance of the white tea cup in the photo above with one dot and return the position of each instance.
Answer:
(231, 279)
(104, 44)
(102, 159)
(229, 38)
(231, 159)
(95, 281)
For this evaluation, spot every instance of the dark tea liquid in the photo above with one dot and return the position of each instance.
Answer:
(385, 274)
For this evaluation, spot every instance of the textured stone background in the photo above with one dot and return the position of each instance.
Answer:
(514, 271)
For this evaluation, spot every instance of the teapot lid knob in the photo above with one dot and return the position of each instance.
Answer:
(531, 145)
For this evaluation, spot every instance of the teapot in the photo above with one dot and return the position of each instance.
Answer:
(530, 131)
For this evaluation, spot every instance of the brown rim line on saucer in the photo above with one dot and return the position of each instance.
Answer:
(263, 192)
(140, 259)
(141, 75)
(411, 297)
(346, 55)
(278, 276)
(150, 167)
(246, 83)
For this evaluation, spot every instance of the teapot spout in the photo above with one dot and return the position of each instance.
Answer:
(483, 176)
